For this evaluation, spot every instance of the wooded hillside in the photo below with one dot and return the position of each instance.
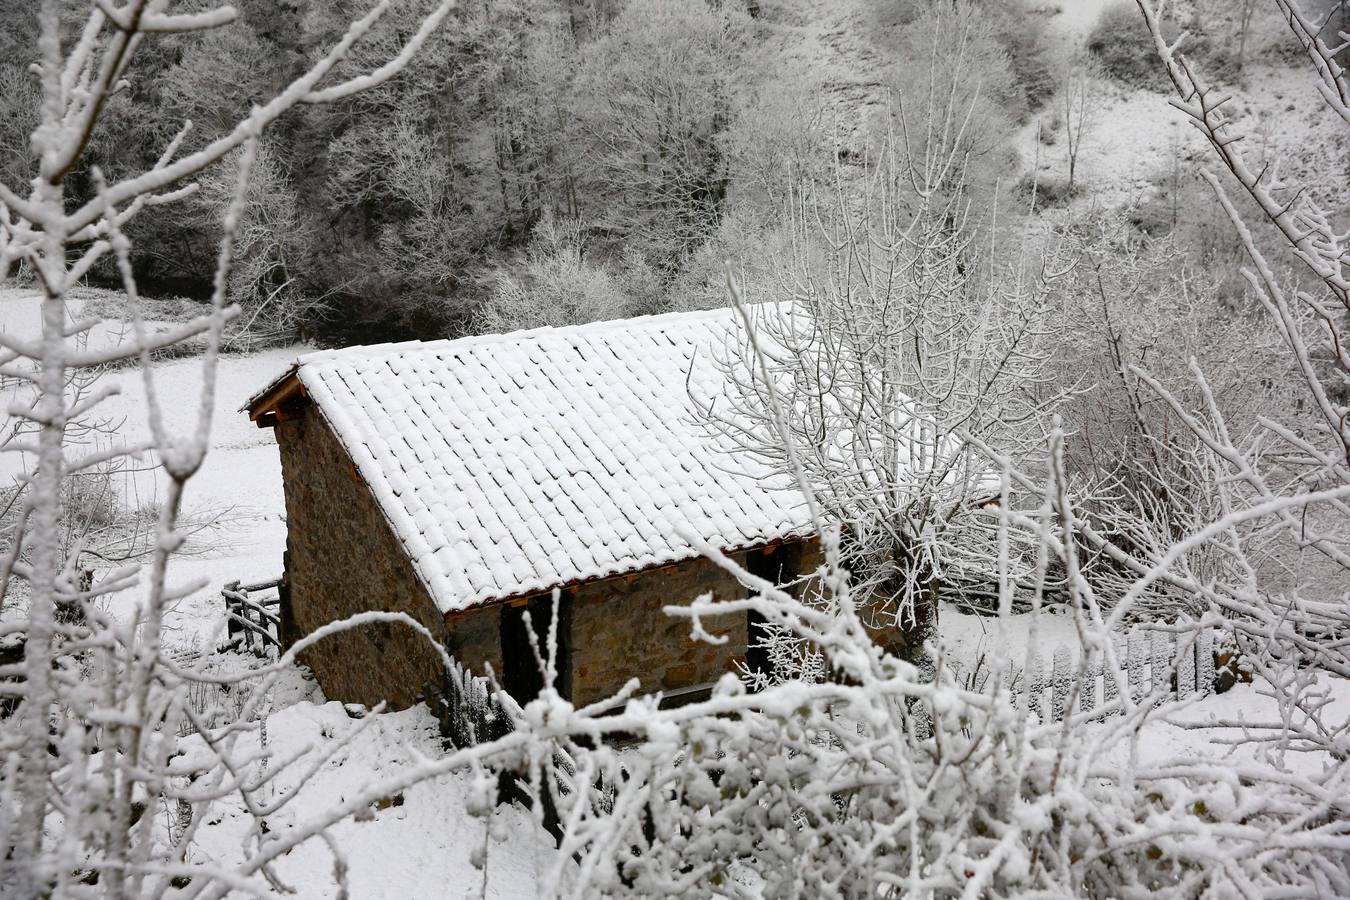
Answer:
(609, 155)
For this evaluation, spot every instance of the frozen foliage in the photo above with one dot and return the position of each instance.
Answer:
(558, 285)
(267, 234)
(121, 775)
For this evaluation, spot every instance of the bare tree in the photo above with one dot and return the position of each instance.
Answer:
(92, 747)
(1080, 108)
(1287, 478)
(268, 235)
(893, 339)
(1246, 11)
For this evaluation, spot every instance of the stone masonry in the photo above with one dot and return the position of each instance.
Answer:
(342, 559)
(621, 631)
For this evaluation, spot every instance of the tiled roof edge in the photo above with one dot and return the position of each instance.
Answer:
(371, 351)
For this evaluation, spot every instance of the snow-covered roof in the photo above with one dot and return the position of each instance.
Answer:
(511, 464)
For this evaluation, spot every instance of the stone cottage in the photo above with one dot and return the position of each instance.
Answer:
(462, 481)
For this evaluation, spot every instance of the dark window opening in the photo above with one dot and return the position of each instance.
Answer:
(520, 671)
(780, 564)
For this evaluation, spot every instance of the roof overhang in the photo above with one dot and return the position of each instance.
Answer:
(283, 399)
(627, 575)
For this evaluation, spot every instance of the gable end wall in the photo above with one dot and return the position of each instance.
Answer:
(343, 558)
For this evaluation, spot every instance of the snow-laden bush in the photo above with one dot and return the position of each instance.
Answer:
(555, 285)
(883, 781)
(1120, 44)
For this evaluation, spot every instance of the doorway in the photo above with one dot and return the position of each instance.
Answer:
(520, 672)
(779, 564)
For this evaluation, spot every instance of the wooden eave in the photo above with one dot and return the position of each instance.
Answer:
(629, 576)
(284, 399)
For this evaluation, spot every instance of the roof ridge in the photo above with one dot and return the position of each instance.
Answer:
(369, 351)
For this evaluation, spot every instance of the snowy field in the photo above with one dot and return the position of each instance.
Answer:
(237, 494)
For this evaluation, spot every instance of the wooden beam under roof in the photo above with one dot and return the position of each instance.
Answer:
(283, 399)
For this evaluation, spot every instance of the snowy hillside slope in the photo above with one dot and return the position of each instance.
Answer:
(237, 494)
(1134, 138)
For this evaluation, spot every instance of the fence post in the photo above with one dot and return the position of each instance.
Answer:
(1186, 664)
(1035, 686)
(245, 614)
(1087, 697)
(1059, 684)
(231, 626)
(1134, 663)
(1204, 670)
(1160, 663)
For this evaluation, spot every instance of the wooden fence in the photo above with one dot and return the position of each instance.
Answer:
(1154, 663)
(253, 616)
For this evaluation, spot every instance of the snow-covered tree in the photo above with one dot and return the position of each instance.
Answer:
(889, 339)
(653, 104)
(91, 744)
(556, 285)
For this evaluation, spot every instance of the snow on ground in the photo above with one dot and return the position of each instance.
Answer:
(1070, 21)
(1130, 132)
(417, 843)
(1250, 703)
(238, 487)
(825, 43)
(1134, 136)
(968, 637)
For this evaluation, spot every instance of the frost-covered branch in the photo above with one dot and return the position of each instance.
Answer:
(82, 756)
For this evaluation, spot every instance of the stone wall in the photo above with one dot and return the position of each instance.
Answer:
(620, 631)
(474, 638)
(343, 558)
